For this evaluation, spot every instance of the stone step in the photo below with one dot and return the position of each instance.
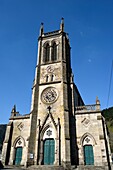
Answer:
(19, 167)
(45, 167)
(90, 167)
(53, 167)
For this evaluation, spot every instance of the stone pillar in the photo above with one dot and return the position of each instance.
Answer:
(6, 144)
(41, 152)
(56, 152)
(57, 140)
(37, 144)
(66, 147)
(12, 156)
(4, 152)
(25, 164)
(51, 51)
(81, 155)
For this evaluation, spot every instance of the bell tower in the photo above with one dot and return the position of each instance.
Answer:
(51, 98)
(60, 129)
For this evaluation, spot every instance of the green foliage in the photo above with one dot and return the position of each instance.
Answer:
(108, 115)
(2, 134)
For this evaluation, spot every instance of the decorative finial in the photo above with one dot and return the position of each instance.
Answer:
(49, 108)
(62, 20)
(14, 109)
(97, 103)
(62, 24)
(97, 100)
(72, 77)
(41, 29)
(42, 24)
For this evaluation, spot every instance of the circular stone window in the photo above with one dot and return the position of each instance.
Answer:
(49, 95)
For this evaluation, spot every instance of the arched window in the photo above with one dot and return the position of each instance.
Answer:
(47, 78)
(47, 53)
(54, 52)
(52, 76)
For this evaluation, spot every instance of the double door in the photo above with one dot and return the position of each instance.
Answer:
(49, 151)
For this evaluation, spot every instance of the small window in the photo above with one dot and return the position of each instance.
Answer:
(47, 78)
(52, 76)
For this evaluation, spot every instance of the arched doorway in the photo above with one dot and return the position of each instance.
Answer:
(88, 149)
(18, 155)
(18, 150)
(88, 155)
(49, 145)
(49, 151)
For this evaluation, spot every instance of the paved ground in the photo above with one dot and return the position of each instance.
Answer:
(14, 168)
(34, 167)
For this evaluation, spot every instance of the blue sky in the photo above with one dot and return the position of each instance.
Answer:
(90, 27)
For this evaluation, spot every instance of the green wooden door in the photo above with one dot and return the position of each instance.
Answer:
(49, 151)
(18, 156)
(88, 155)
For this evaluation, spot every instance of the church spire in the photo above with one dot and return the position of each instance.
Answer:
(41, 29)
(62, 24)
(13, 112)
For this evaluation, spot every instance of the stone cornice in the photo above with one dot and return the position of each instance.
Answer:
(55, 82)
(20, 117)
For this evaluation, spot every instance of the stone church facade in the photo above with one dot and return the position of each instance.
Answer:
(60, 129)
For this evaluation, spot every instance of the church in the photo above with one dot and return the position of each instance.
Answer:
(60, 129)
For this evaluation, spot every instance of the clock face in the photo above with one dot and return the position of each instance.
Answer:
(50, 69)
(49, 95)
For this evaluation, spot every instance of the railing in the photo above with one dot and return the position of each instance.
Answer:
(51, 32)
(93, 107)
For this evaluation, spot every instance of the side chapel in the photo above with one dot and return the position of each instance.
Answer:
(60, 129)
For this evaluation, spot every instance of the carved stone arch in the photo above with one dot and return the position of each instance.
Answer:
(47, 42)
(54, 40)
(87, 140)
(48, 126)
(44, 130)
(45, 120)
(49, 133)
(19, 138)
(87, 135)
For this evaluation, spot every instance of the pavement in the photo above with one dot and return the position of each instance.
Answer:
(13, 167)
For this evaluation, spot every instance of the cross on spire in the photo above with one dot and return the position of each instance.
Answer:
(49, 108)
